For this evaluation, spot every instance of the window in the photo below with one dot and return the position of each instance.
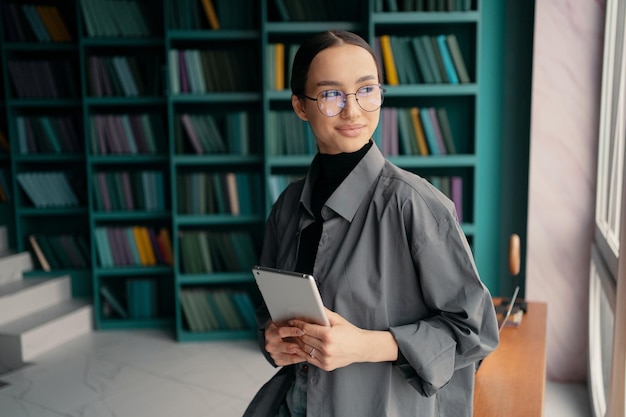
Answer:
(607, 282)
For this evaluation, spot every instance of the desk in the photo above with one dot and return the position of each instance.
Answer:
(511, 380)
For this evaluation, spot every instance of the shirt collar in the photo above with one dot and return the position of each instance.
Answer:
(348, 196)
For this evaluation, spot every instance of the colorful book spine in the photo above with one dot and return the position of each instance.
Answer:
(391, 72)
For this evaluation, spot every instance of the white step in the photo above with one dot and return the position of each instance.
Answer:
(24, 297)
(24, 339)
(13, 266)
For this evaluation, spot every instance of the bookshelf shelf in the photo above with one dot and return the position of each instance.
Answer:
(130, 215)
(289, 161)
(216, 278)
(122, 272)
(216, 219)
(47, 212)
(219, 98)
(213, 35)
(40, 47)
(48, 158)
(221, 159)
(180, 27)
(142, 159)
(426, 18)
(441, 161)
(123, 101)
(291, 28)
(22, 103)
(122, 42)
(431, 90)
(125, 324)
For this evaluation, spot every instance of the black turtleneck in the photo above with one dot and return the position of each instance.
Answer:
(332, 169)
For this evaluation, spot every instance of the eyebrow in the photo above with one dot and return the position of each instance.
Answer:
(337, 83)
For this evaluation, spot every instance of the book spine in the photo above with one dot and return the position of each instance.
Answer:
(388, 60)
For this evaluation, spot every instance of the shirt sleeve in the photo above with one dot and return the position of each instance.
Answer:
(462, 328)
(269, 254)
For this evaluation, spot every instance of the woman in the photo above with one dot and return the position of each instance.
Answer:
(409, 315)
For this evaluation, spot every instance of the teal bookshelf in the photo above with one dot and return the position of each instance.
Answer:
(141, 91)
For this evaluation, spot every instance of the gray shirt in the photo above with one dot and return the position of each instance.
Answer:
(392, 256)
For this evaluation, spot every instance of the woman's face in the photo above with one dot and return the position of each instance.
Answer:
(346, 68)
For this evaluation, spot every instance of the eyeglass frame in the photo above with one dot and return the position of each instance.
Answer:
(382, 99)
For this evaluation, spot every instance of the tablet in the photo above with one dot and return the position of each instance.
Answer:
(289, 295)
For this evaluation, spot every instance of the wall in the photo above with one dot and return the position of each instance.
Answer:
(567, 70)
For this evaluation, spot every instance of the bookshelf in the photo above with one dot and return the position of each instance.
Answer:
(181, 159)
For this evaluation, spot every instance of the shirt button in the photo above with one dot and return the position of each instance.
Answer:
(305, 368)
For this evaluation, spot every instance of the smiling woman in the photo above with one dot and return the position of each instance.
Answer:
(344, 67)
(409, 316)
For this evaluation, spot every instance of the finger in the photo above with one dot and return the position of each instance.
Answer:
(314, 330)
(287, 359)
(290, 331)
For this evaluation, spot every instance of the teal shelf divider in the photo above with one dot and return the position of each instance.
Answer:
(125, 324)
(425, 18)
(216, 278)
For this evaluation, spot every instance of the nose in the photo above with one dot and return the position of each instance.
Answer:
(350, 106)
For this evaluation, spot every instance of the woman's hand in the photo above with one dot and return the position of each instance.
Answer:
(281, 344)
(342, 343)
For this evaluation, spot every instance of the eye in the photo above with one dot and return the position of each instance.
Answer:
(368, 89)
(330, 94)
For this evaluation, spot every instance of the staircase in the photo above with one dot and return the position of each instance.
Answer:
(37, 314)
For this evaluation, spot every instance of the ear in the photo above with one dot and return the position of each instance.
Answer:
(298, 106)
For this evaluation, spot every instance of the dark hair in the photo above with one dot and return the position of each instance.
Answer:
(317, 43)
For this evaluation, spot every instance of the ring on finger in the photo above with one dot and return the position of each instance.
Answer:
(312, 353)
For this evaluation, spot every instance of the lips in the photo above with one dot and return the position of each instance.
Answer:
(350, 130)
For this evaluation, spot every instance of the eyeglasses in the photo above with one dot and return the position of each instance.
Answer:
(331, 102)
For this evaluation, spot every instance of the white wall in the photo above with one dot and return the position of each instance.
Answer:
(567, 69)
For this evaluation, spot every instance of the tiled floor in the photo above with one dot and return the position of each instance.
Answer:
(136, 374)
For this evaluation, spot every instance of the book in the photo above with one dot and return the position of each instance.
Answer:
(36, 24)
(192, 134)
(447, 59)
(279, 66)
(406, 135)
(438, 59)
(282, 10)
(391, 73)
(429, 131)
(102, 249)
(432, 113)
(148, 246)
(211, 15)
(422, 146)
(63, 33)
(401, 64)
(231, 193)
(113, 301)
(429, 55)
(43, 261)
(245, 307)
(446, 130)
(456, 195)
(383, 140)
(457, 59)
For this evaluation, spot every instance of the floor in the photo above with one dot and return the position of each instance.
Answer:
(146, 373)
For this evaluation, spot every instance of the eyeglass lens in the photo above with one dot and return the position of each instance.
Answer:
(332, 102)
